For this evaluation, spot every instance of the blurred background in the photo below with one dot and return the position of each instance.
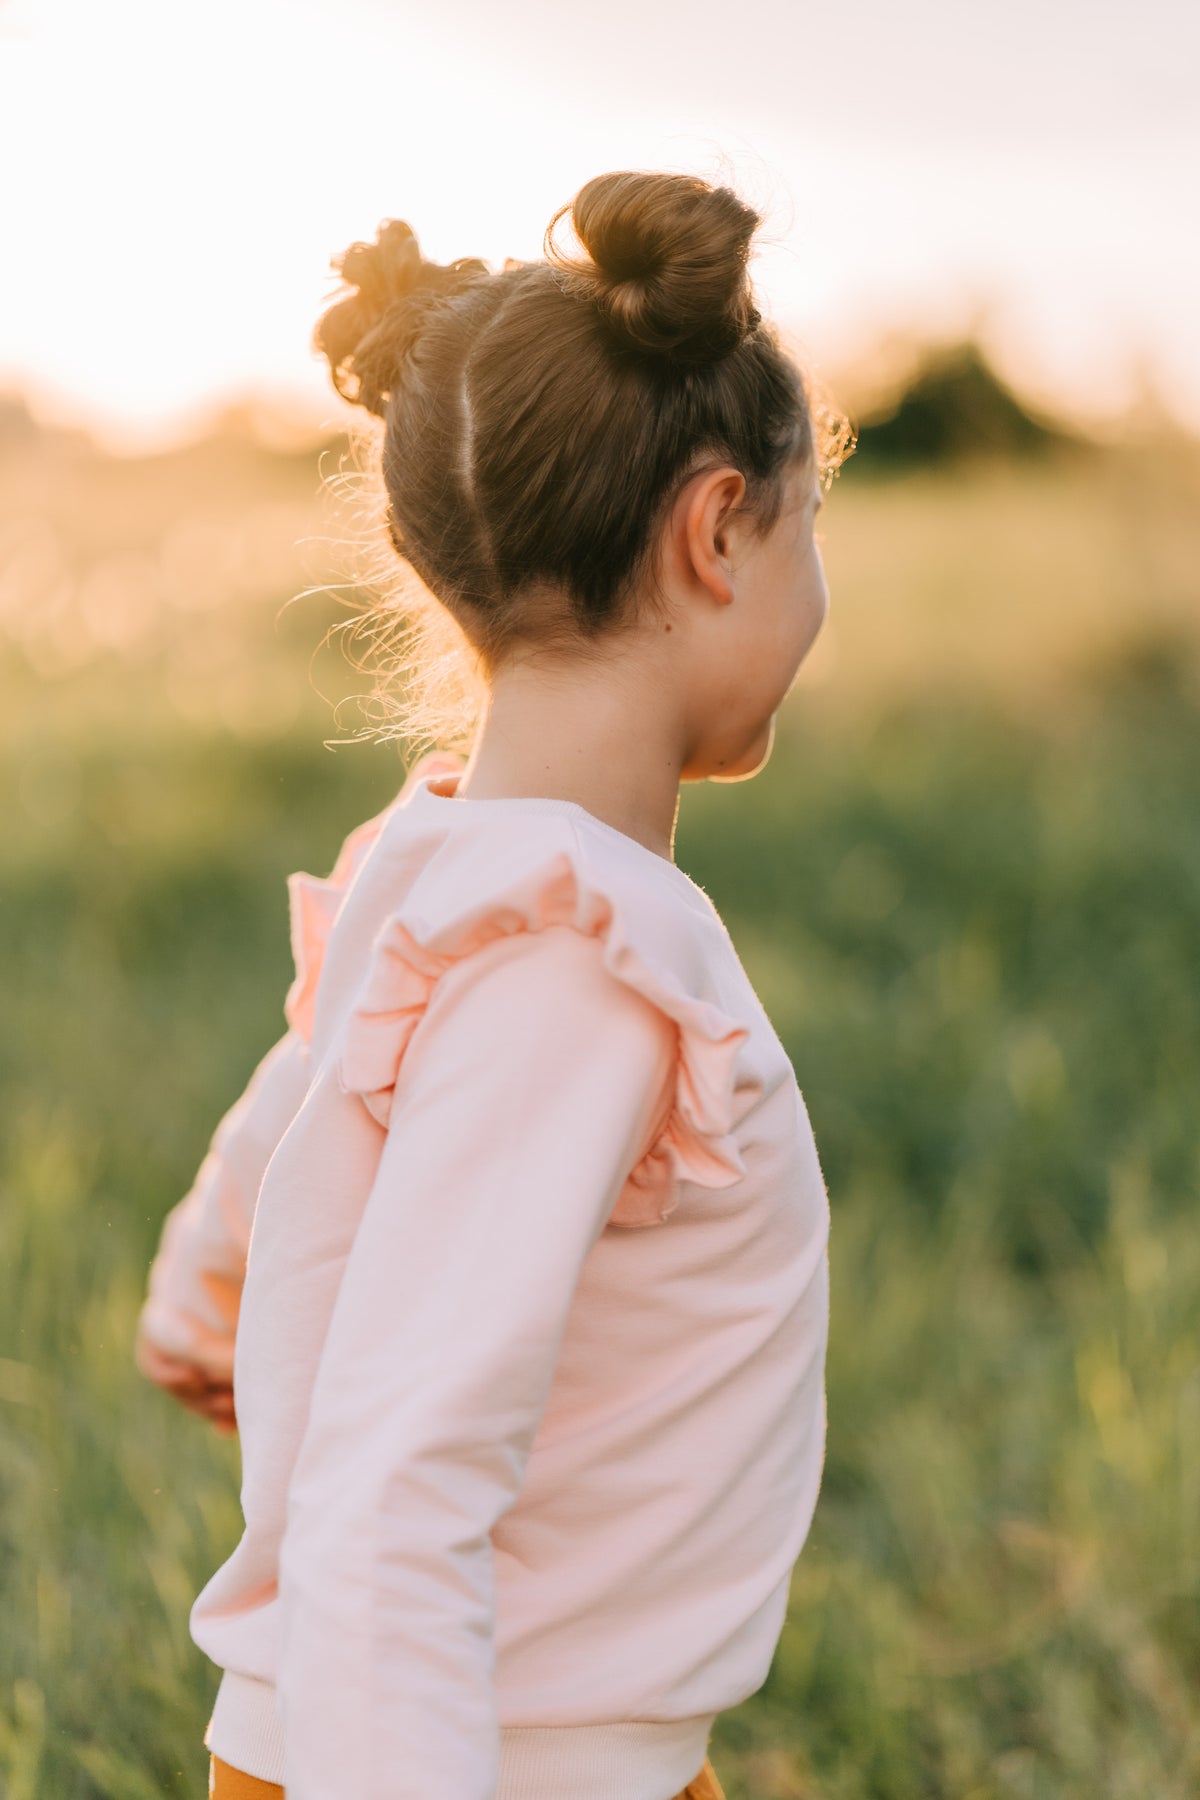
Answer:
(967, 885)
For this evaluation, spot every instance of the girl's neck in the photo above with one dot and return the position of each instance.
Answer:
(579, 734)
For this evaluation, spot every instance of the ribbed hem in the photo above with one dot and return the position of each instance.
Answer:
(634, 1760)
(628, 1760)
(244, 1730)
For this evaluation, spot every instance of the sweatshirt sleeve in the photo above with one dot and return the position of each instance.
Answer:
(194, 1286)
(534, 1082)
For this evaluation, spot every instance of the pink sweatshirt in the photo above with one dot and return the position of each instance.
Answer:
(530, 1338)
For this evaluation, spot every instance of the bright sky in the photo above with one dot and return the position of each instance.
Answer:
(177, 178)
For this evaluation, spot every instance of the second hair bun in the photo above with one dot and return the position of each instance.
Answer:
(667, 262)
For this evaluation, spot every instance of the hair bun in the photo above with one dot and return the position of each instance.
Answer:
(368, 334)
(667, 262)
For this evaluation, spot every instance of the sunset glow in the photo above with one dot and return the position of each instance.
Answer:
(183, 178)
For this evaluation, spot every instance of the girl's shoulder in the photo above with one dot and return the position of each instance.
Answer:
(456, 872)
(433, 880)
(532, 862)
(449, 874)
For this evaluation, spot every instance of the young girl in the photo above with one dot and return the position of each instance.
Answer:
(530, 1338)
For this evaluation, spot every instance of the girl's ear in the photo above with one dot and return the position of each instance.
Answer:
(706, 529)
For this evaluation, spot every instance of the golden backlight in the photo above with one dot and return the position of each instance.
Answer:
(177, 178)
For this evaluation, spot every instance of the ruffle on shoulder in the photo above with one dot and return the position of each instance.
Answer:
(314, 901)
(411, 952)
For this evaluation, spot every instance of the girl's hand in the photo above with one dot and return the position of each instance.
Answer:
(191, 1385)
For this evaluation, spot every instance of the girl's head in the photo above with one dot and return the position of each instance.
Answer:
(601, 454)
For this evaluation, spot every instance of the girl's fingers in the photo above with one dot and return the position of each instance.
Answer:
(188, 1383)
(167, 1371)
(216, 1406)
(173, 1372)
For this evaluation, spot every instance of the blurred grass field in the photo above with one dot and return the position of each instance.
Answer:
(967, 888)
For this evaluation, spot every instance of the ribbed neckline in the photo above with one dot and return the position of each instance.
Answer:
(547, 803)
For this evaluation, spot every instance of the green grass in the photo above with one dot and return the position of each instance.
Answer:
(981, 950)
(978, 934)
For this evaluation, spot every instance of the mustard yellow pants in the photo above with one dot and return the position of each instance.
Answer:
(226, 1783)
